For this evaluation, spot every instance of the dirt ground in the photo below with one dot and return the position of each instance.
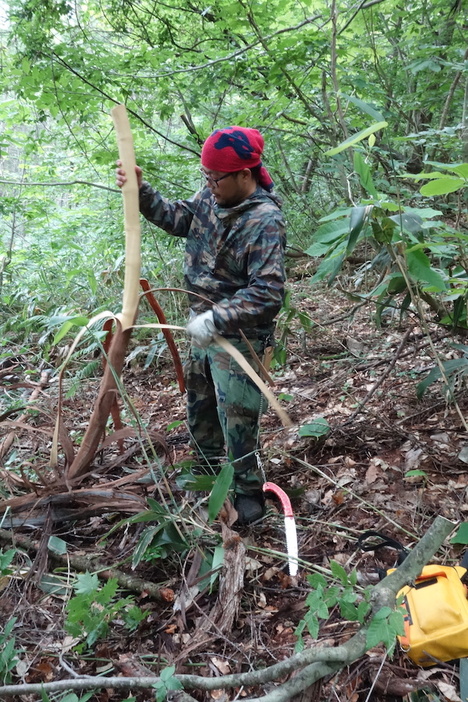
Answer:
(390, 463)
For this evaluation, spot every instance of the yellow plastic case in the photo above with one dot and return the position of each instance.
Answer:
(436, 623)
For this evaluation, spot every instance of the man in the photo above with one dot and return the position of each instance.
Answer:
(234, 266)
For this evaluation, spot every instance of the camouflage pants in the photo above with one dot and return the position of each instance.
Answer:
(223, 410)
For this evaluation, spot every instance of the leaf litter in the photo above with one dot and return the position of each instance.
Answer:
(391, 462)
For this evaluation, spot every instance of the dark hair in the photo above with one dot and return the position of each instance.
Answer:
(255, 171)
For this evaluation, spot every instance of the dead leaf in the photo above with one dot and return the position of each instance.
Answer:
(221, 664)
(372, 474)
(413, 458)
(447, 690)
(270, 573)
(261, 602)
(338, 497)
(251, 564)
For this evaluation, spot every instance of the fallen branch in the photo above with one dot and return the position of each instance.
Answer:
(84, 564)
(315, 662)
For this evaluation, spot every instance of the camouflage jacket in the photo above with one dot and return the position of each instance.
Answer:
(233, 256)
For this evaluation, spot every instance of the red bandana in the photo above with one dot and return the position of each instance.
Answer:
(234, 148)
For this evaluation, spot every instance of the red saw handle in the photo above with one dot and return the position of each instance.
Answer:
(280, 493)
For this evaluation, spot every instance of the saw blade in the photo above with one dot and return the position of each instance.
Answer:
(291, 544)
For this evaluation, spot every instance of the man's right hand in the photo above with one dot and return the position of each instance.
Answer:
(121, 176)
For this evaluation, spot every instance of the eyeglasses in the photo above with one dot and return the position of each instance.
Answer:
(212, 180)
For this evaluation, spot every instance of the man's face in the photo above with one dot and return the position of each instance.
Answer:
(230, 189)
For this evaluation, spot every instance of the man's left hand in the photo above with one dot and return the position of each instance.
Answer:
(202, 328)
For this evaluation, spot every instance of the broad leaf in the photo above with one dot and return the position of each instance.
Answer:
(66, 326)
(220, 491)
(339, 572)
(318, 427)
(365, 107)
(143, 542)
(442, 186)
(86, 583)
(356, 138)
(451, 366)
(364, 172)
(461, 537)
(409, 221)
(420, 268)
(359, 217)
(57, 545)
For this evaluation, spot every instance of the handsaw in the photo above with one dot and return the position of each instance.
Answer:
(289, 526)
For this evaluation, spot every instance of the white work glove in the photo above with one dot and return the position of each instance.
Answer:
(202, 328)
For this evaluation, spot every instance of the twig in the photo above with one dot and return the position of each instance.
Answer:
(61, 184)
(83, 564)
(346, 490)
(318, 662)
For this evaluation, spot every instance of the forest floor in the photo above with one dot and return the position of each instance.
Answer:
(391, 463)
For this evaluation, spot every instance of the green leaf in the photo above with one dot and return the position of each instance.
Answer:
(107, 592)
(460, 169)
(409, 221)
(57, 545)
(316, 580)
(328, 233)
(143, 542)
(383, 613)
(318, 427)
(53, 585)
(364, 106)
(442, 186)
(364, 172)
(66, 326)
(327, 267)
(461, 537)
(356, 138)
(167, 673)
(420, 268)
(220, 491)
(5, 560)
(174, 425)
(86, 583)
(379, 631)
(362, 611)
(349, 611)
(416, 473)
(359, 217)
(312, 624)
(216, 564)
(432, 376)
(339, 572)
